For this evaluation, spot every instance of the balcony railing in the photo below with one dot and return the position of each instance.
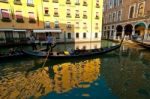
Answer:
(6, 20)
(68, 15)
(46, 0)
(56, 15)
(30, 4)
(68, 2)
(77, 16)
(18, 2)
(55, 1)
(77, 3)
(84, 16)
(32, 21)
(5, 1)
(97, 17)
(20, 20)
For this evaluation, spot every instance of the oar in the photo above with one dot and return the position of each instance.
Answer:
(46, 59)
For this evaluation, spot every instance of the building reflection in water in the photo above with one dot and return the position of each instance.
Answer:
(59, 78)
(130, 77)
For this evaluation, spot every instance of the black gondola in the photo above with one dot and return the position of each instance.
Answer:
(6, 56)
(75, 54)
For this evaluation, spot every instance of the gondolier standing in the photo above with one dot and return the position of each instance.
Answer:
(49, 42)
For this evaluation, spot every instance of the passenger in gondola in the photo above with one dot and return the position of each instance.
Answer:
(11, 51)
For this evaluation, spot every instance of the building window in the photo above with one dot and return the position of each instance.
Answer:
(31, 18)
(77, 25)
(68, 25)
(96, 35)
(22, 35)
(56, 12)
(114, 15)
(115, 3)
(131, 13)
(77, 35)
(47, 24)
(85, 14)
(77, 2)
(68, 13)
(119, 15)
(5, 1)
(19, 17)
(84, 25)
(85, 3)
(30, 3)
(46, 11)
(97, 15)
(120, 2)
(55, 1)
(97, 4)
(68, 2)
(84, 35)
(9, 36)
(77, 14)
(69, 35)
(96, 26)
(141, 9)
(56, 24)
(5, 15)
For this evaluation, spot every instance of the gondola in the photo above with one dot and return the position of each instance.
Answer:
(74, 54)
(8, 56)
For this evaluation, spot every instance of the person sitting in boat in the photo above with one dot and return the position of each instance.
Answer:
(11, 51)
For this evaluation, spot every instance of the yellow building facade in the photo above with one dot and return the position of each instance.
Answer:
(67, 20)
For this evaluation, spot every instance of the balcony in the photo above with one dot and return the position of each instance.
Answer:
(55, 1)
(68, 27)
(20, 21)
(4, 1)
(56, 27)
(46, 0)
(6, 20)
(46, 14)
(97, 17)
(85, 4)
(68, 2)
(77, 16)
(84, 16)
(32, 21)
(17, 2)
(77, 3)
(56, 15)
(68, 15)
(30, 4)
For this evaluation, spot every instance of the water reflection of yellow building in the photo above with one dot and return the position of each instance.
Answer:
(60, 78)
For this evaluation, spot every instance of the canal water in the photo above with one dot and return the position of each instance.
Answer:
(121, 74)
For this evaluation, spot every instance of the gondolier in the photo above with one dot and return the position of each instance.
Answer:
(49, 42)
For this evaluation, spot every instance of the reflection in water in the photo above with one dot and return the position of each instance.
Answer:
(59, 78)
(130, 77)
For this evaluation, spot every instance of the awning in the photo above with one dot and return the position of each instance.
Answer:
(44, 31)
(19, 30)
(6, 29)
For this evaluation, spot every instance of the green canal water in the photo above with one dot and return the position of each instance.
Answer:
(121, 74)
